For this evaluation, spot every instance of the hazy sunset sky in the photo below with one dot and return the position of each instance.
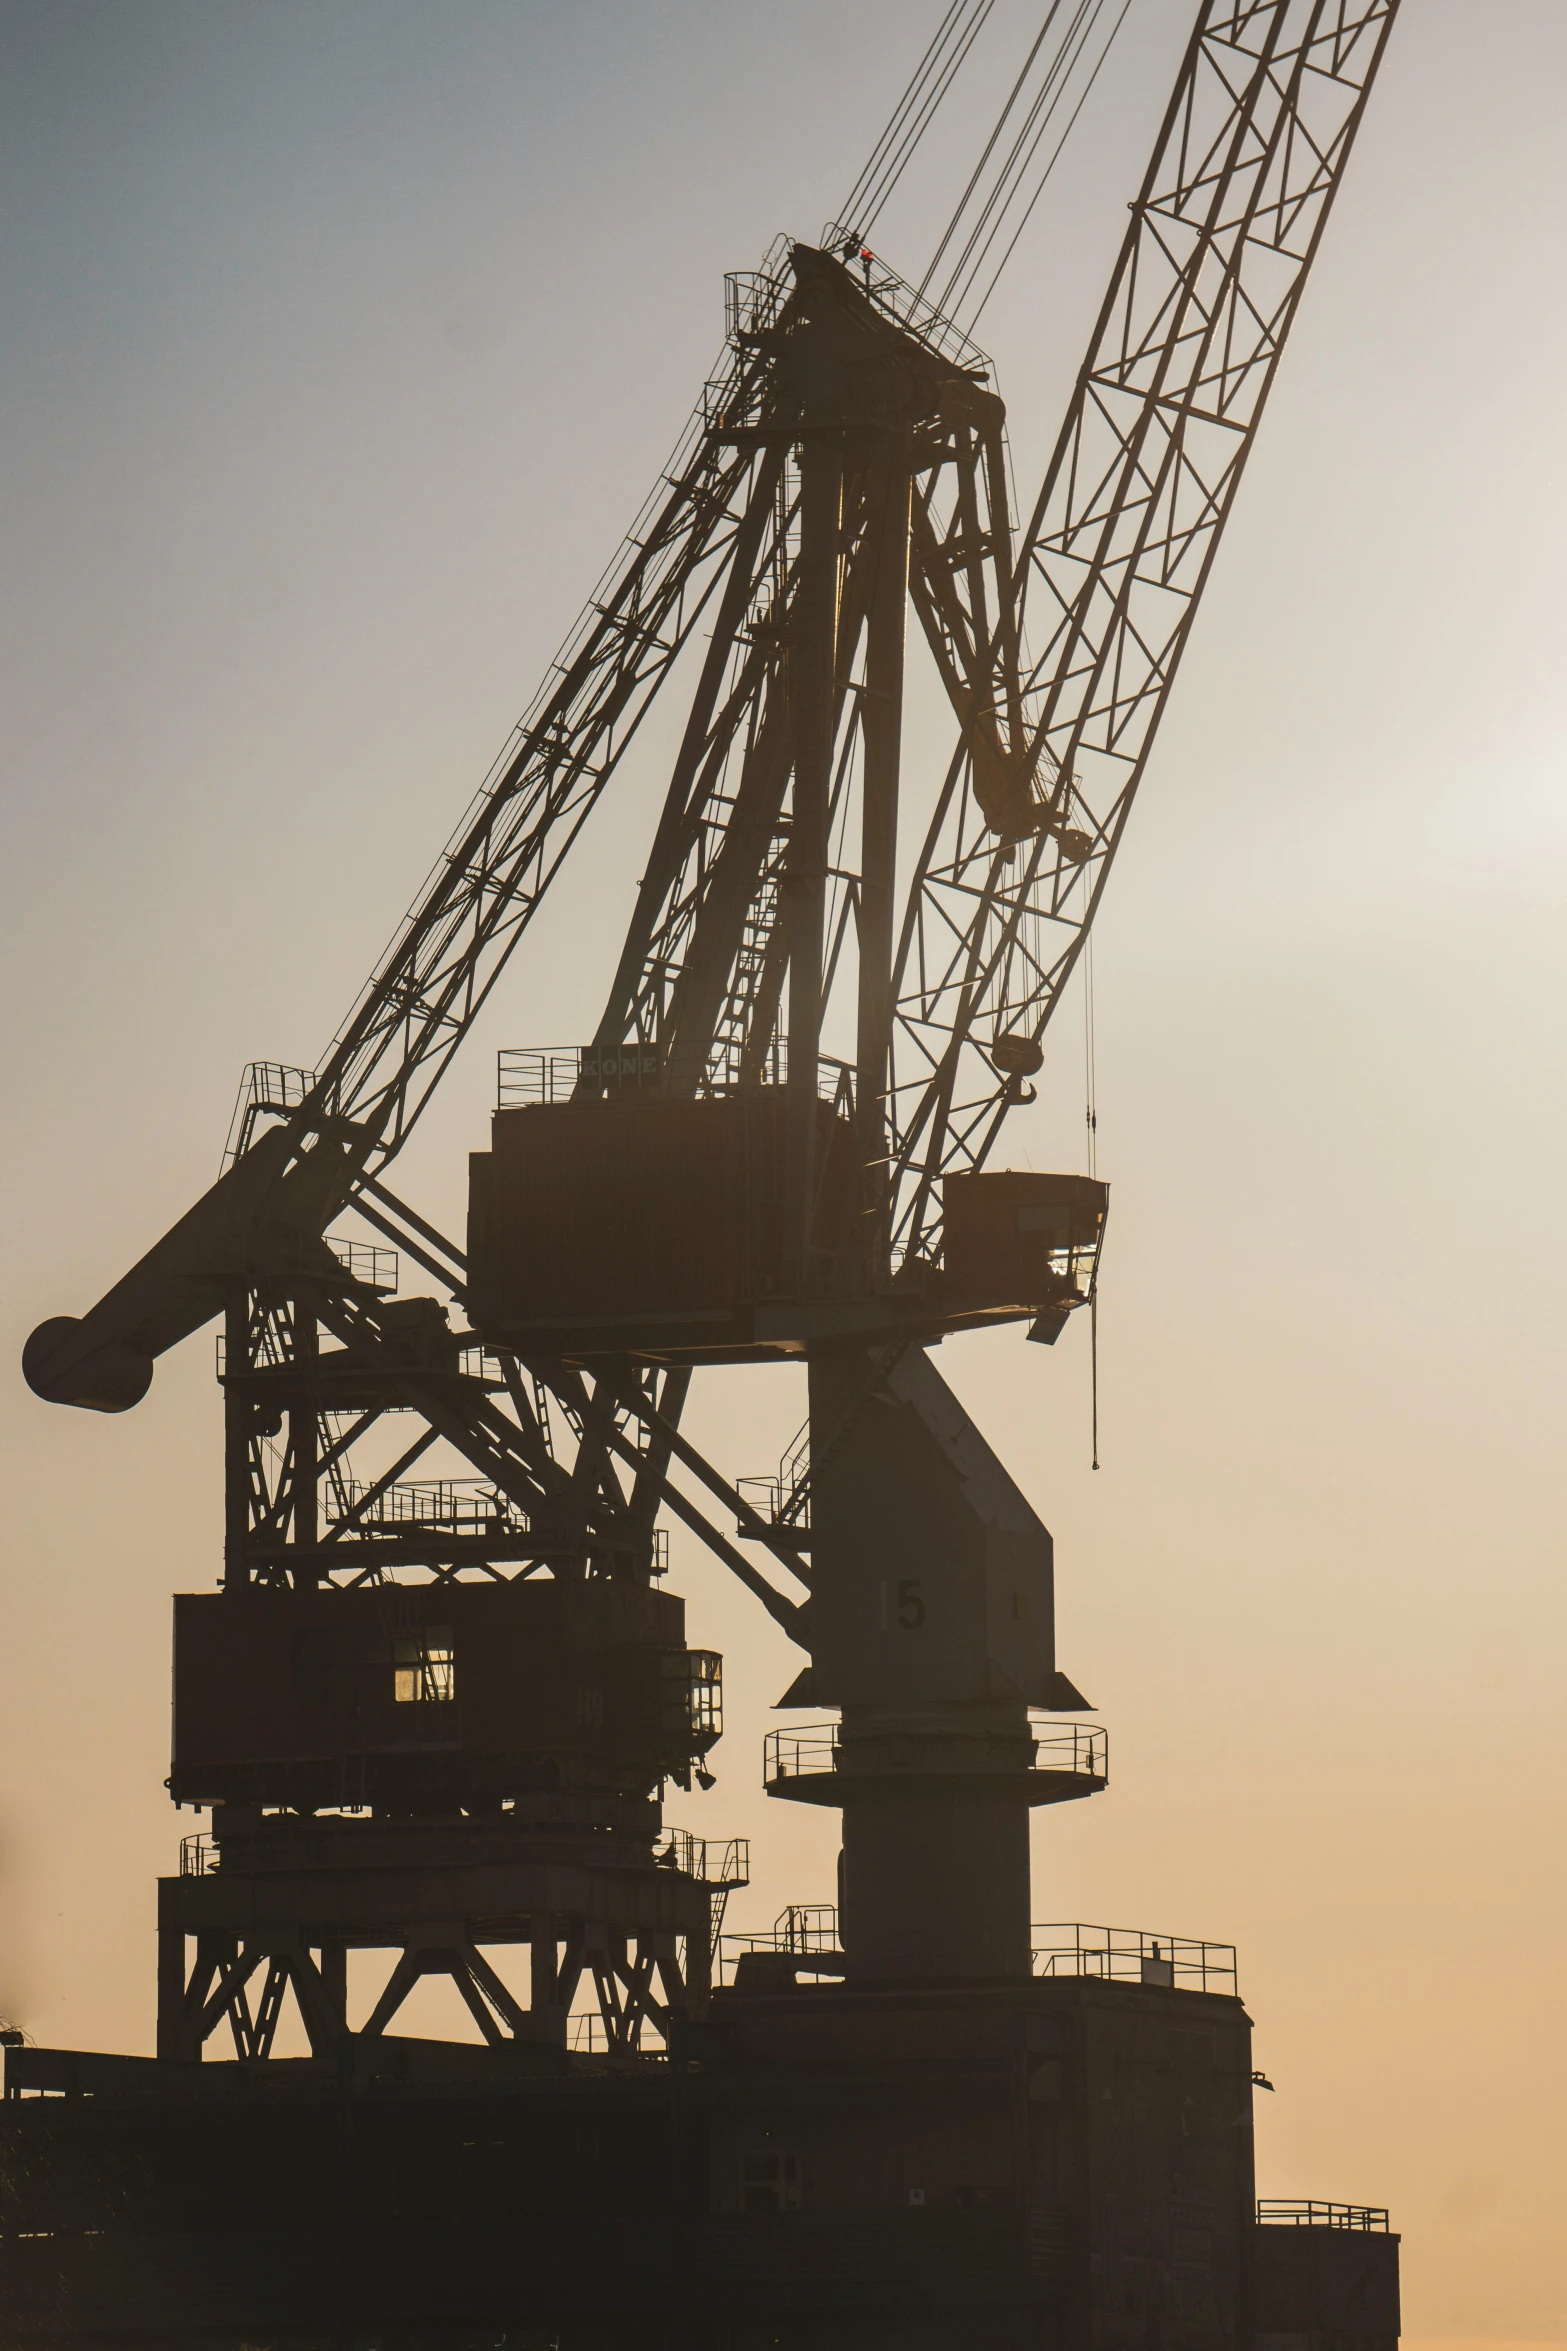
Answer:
(343, 340)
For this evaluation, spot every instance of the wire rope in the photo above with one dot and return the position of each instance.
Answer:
(870, 169)
(1020, 154)
(977, 174)
(858, 194)
(1004, 188)
(1091, 1123)
(1049, 168)
(1090, 1058)
(912, 116)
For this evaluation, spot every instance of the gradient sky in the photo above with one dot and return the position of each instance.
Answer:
(344, 339)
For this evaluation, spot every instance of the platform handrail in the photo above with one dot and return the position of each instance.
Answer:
(812, 1750)
(706, 1860)
(1134, 1955)
(805, 1930)
(1314, 2212)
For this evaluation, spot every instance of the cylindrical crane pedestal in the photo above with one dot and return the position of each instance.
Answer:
(932, 1631)
(934, 1870)
(935, 1883)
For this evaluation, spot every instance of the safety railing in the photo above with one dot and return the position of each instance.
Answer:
(587, 2035)
(366, 1263)
(783, 1500)
(712, 1864)
(753, 300)
(798, 1755)
(905, 305)
(198, 1856)
(530, 1074)
(1134, 1955)
(268, 1090)
(1311, 2212)
(454, 1506)
(467, 1508)
(813, 1750)
(805, 1931)
(552, 1073)
(1121, 1954)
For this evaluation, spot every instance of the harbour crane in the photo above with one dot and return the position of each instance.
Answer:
(435, 1715)
(420, 1698)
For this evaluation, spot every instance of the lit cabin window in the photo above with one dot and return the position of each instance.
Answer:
(423, 1669)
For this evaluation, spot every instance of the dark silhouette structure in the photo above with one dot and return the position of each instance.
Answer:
(436, 1716)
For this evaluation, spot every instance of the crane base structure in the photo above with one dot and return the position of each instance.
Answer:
(1054, 2163)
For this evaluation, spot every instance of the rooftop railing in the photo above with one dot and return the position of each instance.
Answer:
(1135, 1955)
(809, 1930)
(805, 1931)
(552, 1073)
(1311, 2212)
(454, 1506)
(531, 1074)
(587, 2035)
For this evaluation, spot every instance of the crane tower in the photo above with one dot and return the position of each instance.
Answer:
(436, 1717)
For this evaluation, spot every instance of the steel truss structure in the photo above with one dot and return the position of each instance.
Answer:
(236, 1942)
(1108, 569)
(1057, 643)
(572, 1467)
(807, 918)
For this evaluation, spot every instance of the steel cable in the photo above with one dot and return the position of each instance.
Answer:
(977, 174)
(981, 223)
(1044, 176)
(1020, 154)
(912, 116)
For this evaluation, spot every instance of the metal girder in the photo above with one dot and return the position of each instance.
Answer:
(767, 909)
(546, 1441)
(622, 1964)
(1115, 553)
(1057, 646)
(452, 947)
(757, 916)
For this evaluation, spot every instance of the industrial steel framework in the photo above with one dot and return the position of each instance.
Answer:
(813, 919)
(1057, 643)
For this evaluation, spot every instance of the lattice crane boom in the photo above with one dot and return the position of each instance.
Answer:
(848, 459)
(434, 1711)
(1111, 562)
